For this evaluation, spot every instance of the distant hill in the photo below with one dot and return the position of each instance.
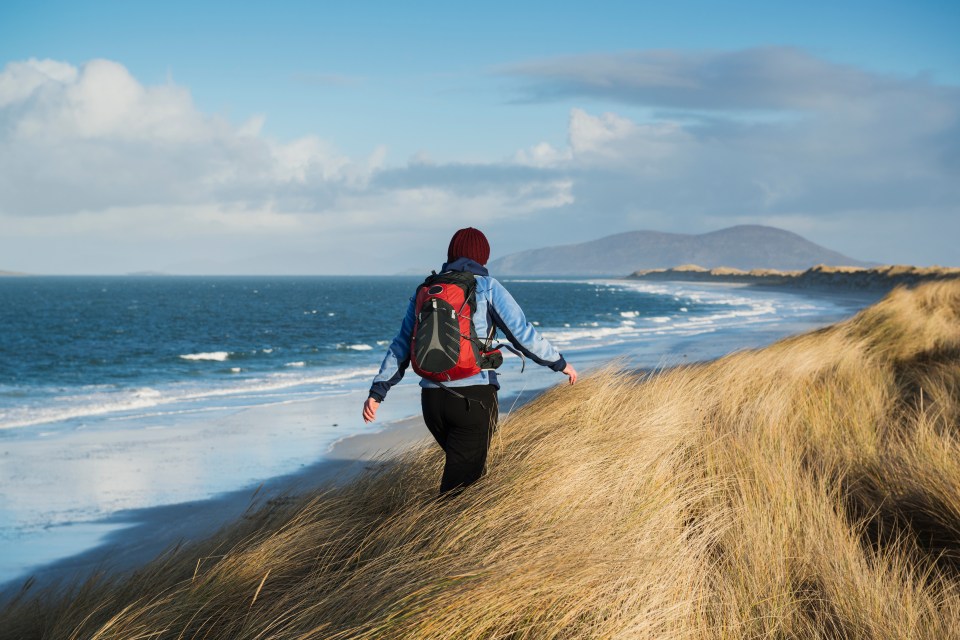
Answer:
(742, 247)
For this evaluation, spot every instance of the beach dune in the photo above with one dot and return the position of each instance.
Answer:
(807, 489)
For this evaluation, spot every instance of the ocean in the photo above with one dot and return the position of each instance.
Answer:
(125, 393)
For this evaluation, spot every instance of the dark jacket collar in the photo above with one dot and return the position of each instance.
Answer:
(465, 264)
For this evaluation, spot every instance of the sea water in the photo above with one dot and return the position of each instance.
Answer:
(121, 393)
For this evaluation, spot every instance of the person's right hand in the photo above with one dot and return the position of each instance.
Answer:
(370, 410)
(570, 372)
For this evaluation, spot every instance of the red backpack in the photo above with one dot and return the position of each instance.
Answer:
(444, 345)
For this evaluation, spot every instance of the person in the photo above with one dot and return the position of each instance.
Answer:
(462, 414)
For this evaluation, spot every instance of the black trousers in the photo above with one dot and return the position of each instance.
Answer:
(462, 429)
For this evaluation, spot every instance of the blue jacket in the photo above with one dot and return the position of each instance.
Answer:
(495, 308)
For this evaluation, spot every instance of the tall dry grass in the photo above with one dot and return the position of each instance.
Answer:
(810, 489)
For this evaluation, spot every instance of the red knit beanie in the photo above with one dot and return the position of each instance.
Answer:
(469, 243)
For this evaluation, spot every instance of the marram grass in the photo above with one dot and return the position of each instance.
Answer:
(810, 489)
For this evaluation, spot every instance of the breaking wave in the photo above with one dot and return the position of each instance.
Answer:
(216, 356)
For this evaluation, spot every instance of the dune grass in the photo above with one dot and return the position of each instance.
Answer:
(810, 489)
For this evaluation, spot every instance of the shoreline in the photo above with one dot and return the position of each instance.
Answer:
(818, 279)
(139, 536)
(126, 539)
(623, 506)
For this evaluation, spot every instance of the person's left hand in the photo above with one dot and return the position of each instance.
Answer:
(370, 410)
(570, 372)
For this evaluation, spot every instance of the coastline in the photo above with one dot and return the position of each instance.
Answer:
(818, 279)
(126, 539)
(621, 495)
(138, 536)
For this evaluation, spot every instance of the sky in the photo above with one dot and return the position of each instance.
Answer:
(355, 138)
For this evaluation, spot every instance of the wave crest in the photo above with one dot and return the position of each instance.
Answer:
(216, 356)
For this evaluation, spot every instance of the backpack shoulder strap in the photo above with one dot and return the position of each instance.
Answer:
(464, 279)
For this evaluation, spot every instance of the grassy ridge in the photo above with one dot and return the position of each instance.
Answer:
(810, 489)
(882, 278)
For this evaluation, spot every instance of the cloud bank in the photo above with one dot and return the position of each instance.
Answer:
(769, 134)
(93, 137)
(862, 162)
(777, 78)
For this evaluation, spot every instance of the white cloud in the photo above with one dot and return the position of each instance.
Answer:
(590, 134)
(21, 79)
(612, 142)
(101, 101)
(770, 136)
(542, 155)
(609, 138)
(94, 138)
(765, 136)
(93, 157)
(762, 132)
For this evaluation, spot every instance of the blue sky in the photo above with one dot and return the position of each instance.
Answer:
(269, 139)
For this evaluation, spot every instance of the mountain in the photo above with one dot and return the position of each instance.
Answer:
(742, 247)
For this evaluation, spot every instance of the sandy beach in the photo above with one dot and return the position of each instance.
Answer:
(130, 538)
(139, 535)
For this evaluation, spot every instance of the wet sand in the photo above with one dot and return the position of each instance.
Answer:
(138, 536)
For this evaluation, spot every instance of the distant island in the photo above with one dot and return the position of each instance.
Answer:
(741, 247)
(11, 274)
(820, 277)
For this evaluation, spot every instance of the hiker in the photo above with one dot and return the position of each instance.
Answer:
(462, 412)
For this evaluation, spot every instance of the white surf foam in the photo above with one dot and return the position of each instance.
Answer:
(217, 356)
(354, 347)
(97, 401)
(81, 406)
(745, 308)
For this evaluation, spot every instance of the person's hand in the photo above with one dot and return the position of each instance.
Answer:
(570, 372)
(370, 409)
